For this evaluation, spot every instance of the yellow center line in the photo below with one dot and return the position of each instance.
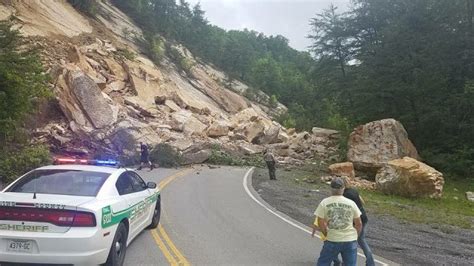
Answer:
(163, 248)
(181, 259)
(164, 241)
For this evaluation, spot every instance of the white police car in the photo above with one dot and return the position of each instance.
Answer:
(75, 214)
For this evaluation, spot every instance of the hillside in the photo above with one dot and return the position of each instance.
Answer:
(110, 95)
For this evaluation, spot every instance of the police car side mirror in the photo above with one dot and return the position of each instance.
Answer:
(151, 185)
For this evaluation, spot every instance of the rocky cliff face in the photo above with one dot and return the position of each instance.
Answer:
(109, 102)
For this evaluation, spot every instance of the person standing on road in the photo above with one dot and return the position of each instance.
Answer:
(352, 194)
(144, 156)
(336, 261)
(339, 221)
(271, 163)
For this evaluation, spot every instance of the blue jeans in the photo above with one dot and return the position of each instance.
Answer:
(369, 259)
(331, 250)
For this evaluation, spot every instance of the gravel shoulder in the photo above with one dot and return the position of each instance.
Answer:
(400, 241)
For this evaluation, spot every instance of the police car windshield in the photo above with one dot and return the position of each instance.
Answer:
(61, 182)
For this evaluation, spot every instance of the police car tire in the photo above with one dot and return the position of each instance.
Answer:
(116, 257)
(155, 220)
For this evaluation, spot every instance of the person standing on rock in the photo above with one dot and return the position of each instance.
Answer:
(144, 156)
(339, 221)
(352, 194)
(271, 163)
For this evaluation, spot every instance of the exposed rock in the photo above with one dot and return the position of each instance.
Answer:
(375, 143)
(116, 69)
(143, 101)
(283, 136)
(342, 169)
(90, 98)
(115, 86)
(193, 125)
(173, 106)
(325, 133)
(252, 131)
(218, 128)
(182, 144)
(270, 135)
(470, 196)
(411, 178)
(245, 116)
(196, 157)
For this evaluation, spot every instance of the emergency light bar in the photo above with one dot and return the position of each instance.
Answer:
(85, 161)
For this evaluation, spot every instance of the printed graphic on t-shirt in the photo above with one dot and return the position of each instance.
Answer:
(339, 216)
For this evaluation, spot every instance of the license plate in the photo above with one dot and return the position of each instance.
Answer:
(24, 246)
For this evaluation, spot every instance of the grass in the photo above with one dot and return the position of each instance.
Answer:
(452, 209)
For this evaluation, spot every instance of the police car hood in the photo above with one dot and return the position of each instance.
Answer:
(45, 201)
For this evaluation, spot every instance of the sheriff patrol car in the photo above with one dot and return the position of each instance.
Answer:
(75, 213)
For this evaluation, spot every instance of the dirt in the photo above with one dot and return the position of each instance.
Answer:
(399, 241)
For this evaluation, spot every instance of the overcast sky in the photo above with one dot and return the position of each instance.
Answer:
(289, 18)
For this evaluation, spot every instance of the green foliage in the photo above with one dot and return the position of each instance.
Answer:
(125, 53)
(181, 60)
(219, 157)
(156, 48)
(273, 102)
(89, 7)
(453, 206)
(165, 156)
(22, 81)
(22, 84)
(16, 163)
(287, 120)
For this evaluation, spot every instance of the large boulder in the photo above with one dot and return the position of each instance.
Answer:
(184, 121)
(252, 130)
(342, 169)
(270, 134)
(218, 128)
(411, 178)
(196, 157)
(91, 99)
(325, 133)
(371, 145)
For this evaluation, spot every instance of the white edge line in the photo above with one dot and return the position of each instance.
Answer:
(245, 184)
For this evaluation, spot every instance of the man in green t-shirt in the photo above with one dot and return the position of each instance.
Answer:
(339, 221)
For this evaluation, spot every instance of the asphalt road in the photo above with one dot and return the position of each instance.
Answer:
(210, 219)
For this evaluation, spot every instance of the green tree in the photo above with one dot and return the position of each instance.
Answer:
(22, 84)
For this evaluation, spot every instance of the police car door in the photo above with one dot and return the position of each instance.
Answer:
(141, 210)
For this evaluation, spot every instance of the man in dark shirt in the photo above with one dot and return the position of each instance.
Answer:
(352, 194)
(144, 156)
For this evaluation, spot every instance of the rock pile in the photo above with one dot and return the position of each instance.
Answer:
(111, 101)
(381, 151)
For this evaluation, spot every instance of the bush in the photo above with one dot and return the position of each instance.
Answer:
(16, 163)
(125, 53)
(181, 61)
(156, 48)
(165, 156)
(219, 157)
(286, 120)
(273, 101)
